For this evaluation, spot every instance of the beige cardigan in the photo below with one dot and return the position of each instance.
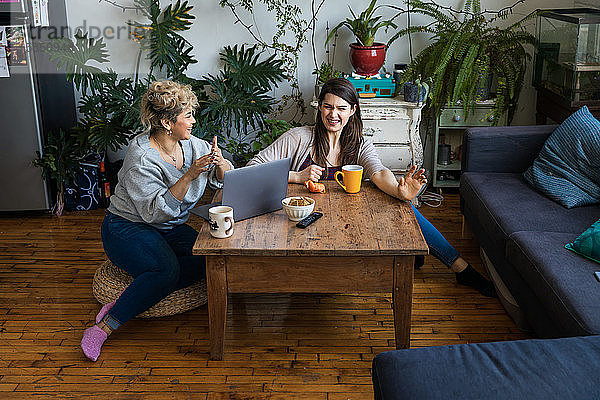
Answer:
(297, 144)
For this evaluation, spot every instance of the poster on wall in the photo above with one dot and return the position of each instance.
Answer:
(15, 47)
(2, 36)
(4, 72)
(36, 12)
(45, 21)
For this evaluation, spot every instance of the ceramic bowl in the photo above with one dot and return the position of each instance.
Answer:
(296, 213)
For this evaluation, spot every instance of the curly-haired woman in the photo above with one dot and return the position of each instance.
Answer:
(164, 174)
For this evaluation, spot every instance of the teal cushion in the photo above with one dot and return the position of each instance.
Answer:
(567, 170)
(588, 243)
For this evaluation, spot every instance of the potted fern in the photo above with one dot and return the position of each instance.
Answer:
(366, 55)
(468, 46)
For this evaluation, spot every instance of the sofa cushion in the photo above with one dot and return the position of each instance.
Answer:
(588, 243)
(535, 369)
(504, 204)
(563, 281)
(567, 170)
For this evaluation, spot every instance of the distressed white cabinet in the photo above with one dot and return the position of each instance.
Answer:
(393, 127)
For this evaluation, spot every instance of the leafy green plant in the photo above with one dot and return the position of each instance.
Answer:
(273, 129)
(109, 104)
(365, 25)
(59, 163)
(167, 48)
(239, 99)
(467, 46)
(232, 104)
(326, 72)
(289, 37)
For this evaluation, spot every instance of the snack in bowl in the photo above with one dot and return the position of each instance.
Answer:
(314, 187)
(298, 207)
(298, 201)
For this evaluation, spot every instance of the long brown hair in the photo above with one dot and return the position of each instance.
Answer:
(351, 138)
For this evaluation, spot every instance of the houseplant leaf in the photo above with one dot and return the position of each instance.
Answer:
(73, 57)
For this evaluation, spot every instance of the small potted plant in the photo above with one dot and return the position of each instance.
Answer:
(366, 55)
(417, 91)
(60, 163)
(324, 73)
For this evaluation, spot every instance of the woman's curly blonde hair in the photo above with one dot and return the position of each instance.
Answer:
(165, 100)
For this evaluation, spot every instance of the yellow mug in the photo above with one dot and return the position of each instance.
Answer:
(352, 177)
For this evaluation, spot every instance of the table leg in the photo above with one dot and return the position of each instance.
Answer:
(402, 298)
(216, 285)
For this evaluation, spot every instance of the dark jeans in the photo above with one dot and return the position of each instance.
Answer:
(438, 245)
(159, 261)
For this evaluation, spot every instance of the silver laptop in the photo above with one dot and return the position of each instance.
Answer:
(253, 190)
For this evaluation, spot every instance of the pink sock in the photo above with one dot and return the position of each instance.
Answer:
(92, 341)
(105, 309)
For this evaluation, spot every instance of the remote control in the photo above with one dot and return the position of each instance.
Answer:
(309, 219)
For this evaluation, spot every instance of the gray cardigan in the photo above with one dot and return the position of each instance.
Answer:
(297, 144)
(143, 195)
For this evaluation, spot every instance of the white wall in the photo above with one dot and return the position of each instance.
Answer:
(214, 28)
(587, 3)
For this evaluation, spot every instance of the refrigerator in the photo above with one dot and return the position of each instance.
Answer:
(34, 99)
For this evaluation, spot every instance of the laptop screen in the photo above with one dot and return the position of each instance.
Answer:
(253, 190)
(257, 189)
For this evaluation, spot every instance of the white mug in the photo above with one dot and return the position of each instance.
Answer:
(220, 219)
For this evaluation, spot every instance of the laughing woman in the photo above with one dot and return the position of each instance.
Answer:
(164, 174)
(335, 140)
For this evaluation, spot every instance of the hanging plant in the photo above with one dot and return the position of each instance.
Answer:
(289, 23)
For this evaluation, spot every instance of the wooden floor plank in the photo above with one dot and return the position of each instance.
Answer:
(278, 347)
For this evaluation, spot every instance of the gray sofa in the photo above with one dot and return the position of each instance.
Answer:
(523, 233)
(534, 369)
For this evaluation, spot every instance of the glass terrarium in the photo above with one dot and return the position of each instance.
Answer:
(567, 60)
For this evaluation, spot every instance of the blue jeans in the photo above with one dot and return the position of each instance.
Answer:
(438, 245)
(159, 261)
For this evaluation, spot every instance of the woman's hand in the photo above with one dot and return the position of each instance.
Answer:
(218, 160)
(199, 166)
(312, 172)
(410, 184)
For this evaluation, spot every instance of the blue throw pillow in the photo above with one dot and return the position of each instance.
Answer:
(588, 243)
(567, 170)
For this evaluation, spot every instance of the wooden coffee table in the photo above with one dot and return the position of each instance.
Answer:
(365, 242)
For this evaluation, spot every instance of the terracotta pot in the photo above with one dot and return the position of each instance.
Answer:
(367, 60)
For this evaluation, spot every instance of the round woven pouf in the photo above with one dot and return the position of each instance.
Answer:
(110, 281)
